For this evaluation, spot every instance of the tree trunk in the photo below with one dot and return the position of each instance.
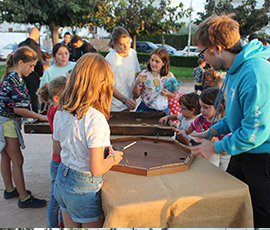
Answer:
(54, 31)
(163, 40)
(134, 41)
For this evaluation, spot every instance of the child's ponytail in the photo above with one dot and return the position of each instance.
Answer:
(9, 65)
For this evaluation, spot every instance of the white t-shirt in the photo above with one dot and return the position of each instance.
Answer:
(184, 123)
(77, 136)
(124, 70)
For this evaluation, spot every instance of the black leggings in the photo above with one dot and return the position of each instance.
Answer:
(254, 170)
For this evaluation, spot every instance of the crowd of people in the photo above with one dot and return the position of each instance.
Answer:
(81, 87)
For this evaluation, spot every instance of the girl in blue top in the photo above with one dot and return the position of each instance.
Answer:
(15, 104)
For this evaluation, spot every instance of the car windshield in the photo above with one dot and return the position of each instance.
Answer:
(9, 46)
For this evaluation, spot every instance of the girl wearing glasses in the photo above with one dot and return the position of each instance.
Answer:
(203, 122)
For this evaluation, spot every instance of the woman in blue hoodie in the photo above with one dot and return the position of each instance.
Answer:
(247, 109)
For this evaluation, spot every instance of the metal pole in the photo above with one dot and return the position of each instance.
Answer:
(189, 30)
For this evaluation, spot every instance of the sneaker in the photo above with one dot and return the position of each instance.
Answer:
(31, 202)
(14, 193)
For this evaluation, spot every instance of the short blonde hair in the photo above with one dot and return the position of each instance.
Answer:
(90, 85)
(218, 30)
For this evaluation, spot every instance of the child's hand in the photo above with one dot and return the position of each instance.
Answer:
(165, 92)
(140, 79)
(163, 120)
(43, 118)
(118, 155)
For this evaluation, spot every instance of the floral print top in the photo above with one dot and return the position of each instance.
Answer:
(154, 83)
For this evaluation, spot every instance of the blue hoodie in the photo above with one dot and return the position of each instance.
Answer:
(248, 103)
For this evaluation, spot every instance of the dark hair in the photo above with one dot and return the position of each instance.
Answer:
(252, 36)
(118, 32)
(263, 41)
(209, 96)
(191, 101)
(25, 53)
(67, 33)
(57, 46)
(164, 56)
(75, 39)
(46, 55)
(200, 61)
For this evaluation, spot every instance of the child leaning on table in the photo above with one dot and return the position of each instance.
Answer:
(190, 108)
(81, 132)
(201, 123)
(156, 83)
(15, 104)
(50, 93)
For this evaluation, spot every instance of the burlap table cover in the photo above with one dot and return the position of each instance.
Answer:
(202, 197)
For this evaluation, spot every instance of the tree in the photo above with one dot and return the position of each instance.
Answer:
(144, 19)
(53, 13)
(249, 18)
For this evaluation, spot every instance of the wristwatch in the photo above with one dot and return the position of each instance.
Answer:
(123, 100)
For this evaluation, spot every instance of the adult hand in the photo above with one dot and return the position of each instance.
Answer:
(206, 149)
(130, 103)
(203, 135)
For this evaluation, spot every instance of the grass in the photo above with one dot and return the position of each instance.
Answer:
(181, 73)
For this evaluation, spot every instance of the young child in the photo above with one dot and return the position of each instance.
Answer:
(15, 104)
(174, 106)
(156, 83)
(203, 122)
(50, 93)
(190, 108)
(198, 74)
(81, 134)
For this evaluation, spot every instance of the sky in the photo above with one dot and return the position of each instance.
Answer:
(197, 5)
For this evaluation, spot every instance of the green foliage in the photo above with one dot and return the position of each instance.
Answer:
(141, 18)
(53, 13)
(249, 18)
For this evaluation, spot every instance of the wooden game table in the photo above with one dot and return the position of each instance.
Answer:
(121, 123)
(203, 196)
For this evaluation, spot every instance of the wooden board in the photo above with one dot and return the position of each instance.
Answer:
(163, 156)
(121, 123)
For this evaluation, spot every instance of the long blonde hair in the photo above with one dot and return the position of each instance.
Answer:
(90, 85)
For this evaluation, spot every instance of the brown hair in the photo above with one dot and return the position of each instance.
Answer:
(209, 96)
(90, 85)
(118, 32)
(25, 53)
(57, 46)
(219, 30)
(164, 56)
(50, 89)
(191, 101)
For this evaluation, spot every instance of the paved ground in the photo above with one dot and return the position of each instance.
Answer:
(37, 157)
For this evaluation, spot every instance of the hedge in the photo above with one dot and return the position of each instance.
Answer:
(180, 61)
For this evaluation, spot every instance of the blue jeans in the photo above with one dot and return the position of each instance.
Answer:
(144, 108)
(79, 194)
(53, 207)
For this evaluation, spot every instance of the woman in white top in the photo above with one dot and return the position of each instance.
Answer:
(125, 65)
(61, 66)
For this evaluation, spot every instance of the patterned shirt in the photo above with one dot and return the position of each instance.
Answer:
(13, 94)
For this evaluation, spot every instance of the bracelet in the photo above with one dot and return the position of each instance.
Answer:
(114, 158)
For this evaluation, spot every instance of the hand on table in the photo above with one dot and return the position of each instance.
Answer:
(206, 149)
(130, 103)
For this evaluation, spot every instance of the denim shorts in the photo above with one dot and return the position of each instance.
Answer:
(78, 194)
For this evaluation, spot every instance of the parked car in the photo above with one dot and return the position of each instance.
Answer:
(6, 50)
(171, 50)
(145, 47)
(194, 51)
